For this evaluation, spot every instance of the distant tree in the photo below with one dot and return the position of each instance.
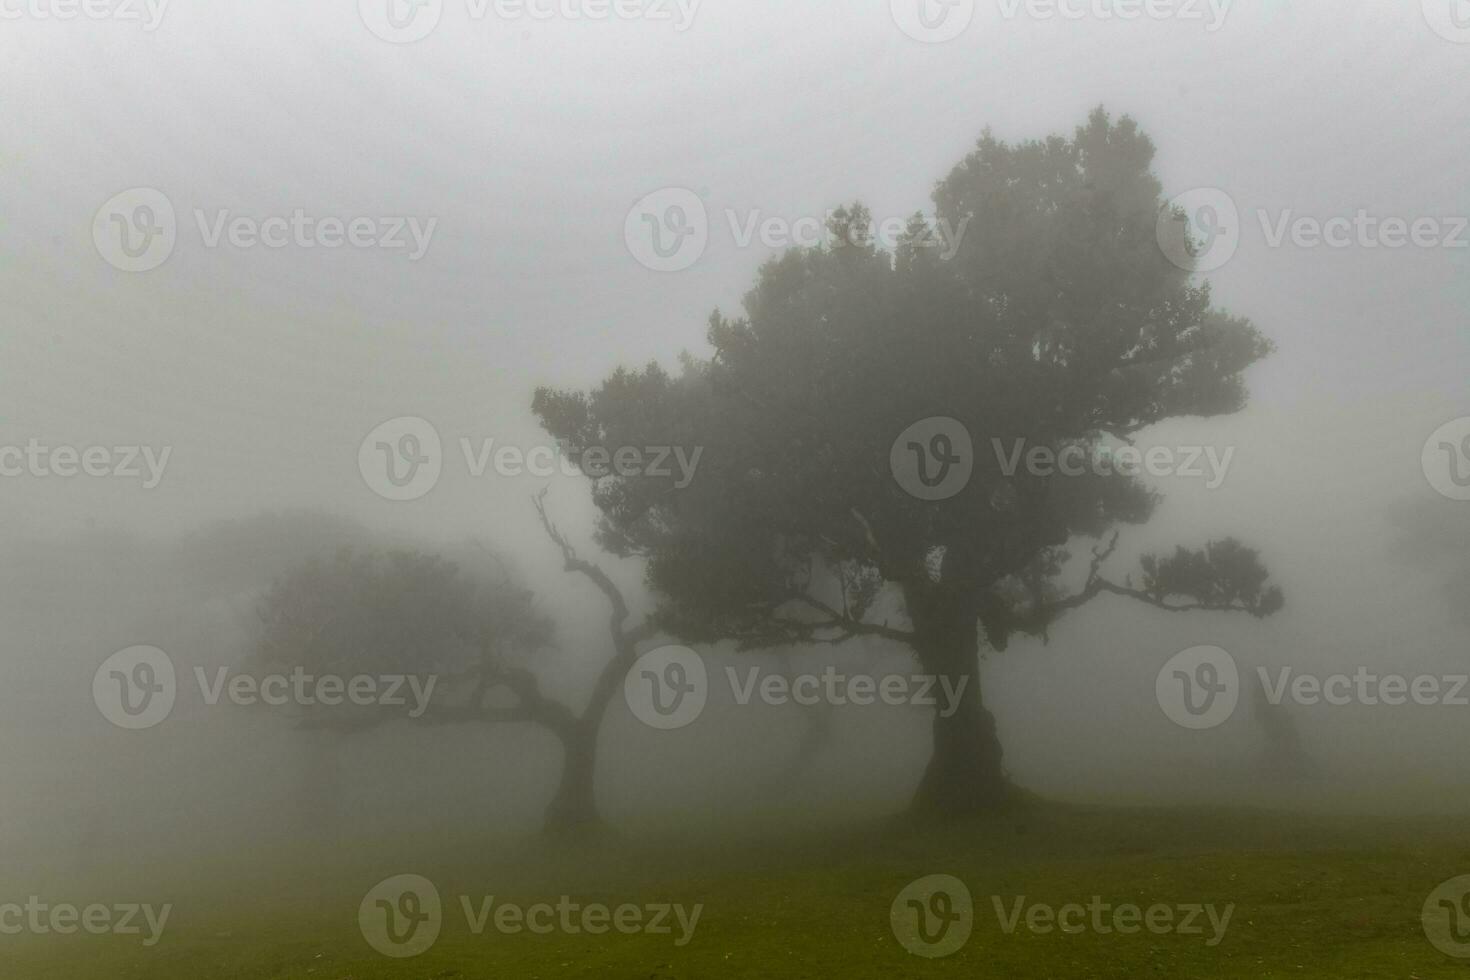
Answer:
(1434, 536)
(1059, 321)
(1283, 754)
(409, 613)
(244, 554)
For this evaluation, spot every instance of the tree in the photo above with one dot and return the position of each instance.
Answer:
(575, 806)
(416, 613)
(407, 613)
(1058, 323)
(1434, 537)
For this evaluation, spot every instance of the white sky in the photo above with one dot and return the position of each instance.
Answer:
(528, 141)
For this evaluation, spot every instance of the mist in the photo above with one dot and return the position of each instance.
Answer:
(293, 289)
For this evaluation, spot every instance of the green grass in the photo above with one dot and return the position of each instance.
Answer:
(1313, 896)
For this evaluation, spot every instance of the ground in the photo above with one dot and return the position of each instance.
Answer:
(1314, 897)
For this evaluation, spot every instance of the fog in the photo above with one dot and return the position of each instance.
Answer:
(516, 150)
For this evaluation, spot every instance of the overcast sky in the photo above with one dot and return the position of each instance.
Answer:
(528, 140)
(519, 148)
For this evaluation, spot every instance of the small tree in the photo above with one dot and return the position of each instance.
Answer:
(1433, 536)
(575, 806)
(408, 613)
(1059, 323)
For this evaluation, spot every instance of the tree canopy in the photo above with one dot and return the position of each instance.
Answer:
(1058, 323)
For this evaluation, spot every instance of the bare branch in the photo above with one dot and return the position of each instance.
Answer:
(575, 564)
(625, 637)
(868, 534)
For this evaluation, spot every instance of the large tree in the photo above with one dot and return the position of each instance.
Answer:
(1058, 322)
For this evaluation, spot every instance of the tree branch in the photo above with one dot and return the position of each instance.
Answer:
(572, 563)
(1257, 602)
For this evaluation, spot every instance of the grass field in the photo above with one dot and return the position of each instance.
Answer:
(1312, 897)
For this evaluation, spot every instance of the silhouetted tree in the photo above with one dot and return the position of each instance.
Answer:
(1059, 321)
(408, 613)
(1434, 536)
(1283, 755)
(575, 807)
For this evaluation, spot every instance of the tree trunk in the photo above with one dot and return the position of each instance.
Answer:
(965, 775)
(574, 808)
